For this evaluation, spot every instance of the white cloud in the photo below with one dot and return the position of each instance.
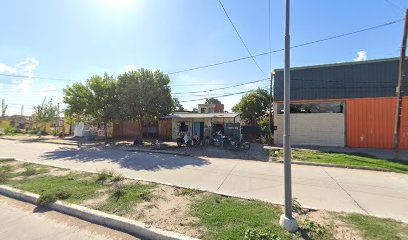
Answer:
(131, 68)
(361, 56)
(24, 68)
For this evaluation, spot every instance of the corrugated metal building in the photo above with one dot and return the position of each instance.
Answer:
(346, 104)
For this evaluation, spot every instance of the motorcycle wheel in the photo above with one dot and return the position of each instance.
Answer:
(179, 143)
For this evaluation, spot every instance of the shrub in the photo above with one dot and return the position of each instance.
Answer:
(104, 175)
(50, 197)
(259, 235)
(46, 198)
(61, 195)
(117, 178)
(8, 130)
(313, 230)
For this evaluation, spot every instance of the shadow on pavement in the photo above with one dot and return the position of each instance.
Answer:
(126, 159)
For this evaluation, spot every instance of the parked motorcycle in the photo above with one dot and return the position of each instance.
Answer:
(185, 141)
(238, 145)
(218, 139)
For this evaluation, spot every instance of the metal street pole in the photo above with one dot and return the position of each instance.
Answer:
(286, 220)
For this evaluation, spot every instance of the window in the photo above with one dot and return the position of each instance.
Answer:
(321, 107)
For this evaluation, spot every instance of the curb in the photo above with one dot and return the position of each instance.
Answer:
(336, 166)
(108, 220)
(159, 151)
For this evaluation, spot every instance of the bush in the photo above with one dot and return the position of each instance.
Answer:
(313, 230)
(61, 195)
(8, 130)
(50, 197)
(104, 175)
(46, 198)
(259, 235)
(117, 178)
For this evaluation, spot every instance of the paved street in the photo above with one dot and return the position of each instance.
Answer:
(375, 193)
(20, 220)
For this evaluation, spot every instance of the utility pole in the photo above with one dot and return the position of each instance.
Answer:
(286, 220)
(22, 110)
(3, 108)
(400, 91)
(270, 110)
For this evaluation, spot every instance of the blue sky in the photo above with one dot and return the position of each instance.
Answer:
(75, 39)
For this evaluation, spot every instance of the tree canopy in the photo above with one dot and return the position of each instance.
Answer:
(212, 101)
(94, 101)
(253, 105)
(45, 113)
(144, 95)
(178, 106)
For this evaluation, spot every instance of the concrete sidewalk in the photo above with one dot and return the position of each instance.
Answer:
(20, 220)
(379, 194)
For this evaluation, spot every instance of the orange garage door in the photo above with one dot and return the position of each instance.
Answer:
(370, 122)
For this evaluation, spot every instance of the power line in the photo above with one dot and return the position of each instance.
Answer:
(242, 58)
(296, 46)
(396, 6)
(240, 38)
(37, 77)
(225, 95)
(215, 89)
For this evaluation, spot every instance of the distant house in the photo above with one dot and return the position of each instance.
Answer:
(201, 124)
(210, 108)
(346, 104)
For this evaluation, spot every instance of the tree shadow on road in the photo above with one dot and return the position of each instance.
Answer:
(126, 159)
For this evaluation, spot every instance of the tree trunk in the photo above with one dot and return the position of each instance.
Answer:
(105, 126)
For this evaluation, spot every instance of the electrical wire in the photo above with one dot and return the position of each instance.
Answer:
(216, 89)
(296, 46)
(240, 38)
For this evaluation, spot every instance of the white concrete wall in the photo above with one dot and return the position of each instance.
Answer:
(319, 129)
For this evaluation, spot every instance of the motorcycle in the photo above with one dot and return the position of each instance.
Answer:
(181, 141)
(238, 145)
(218, 139)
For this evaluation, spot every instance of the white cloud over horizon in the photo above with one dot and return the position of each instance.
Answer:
(24, 68)
(361, 56)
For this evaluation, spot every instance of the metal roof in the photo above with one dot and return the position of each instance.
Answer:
(374, 78)
(201, 115)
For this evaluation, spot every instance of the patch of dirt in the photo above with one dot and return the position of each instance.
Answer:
(332, 222)
(102, 196)
(168, 210)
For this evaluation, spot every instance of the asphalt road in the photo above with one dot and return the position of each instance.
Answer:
(381, 194)
(20, 220)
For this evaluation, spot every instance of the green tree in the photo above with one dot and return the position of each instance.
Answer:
(45, 113)
(178, 106)
(95, 101)
(144, 95)
(212, 101)
(253, 105)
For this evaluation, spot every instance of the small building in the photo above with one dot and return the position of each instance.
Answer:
(349, 104)
(200, 124)
(210, 108)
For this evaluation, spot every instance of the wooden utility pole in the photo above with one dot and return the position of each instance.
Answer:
(3, 108)
(400, 90)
